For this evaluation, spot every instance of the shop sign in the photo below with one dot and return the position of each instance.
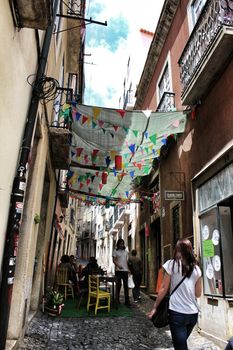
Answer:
(174, 195)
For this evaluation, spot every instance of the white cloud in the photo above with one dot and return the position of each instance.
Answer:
(104, 78)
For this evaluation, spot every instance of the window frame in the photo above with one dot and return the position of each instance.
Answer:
(166, 66)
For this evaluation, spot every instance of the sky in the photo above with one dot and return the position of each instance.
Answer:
(108, 47)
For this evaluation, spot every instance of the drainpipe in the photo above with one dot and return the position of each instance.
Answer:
(18, 192)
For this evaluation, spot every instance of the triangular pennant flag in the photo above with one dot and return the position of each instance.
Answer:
(121, 112)
(132, 148)
(104, 131)
(93, 158)
(115, 172)
(126, 129)
(96, 112)
(78, 116)
(97, 173)
(108, 161)
(72, 153)
(135, 132)
(113, 154)
(131, 173)
(93, 178)
(93, 125)
(88, 182)
(114, 191)
(127, 193)
(101, 186)
(100, 123)
(146, 170)
(146, 134)
(81, 185)
(78, 151)
(116, 127)
(147, 113)
(153, 138)
(176, 123)
(84, 119)
(164, 141)
(95, 152)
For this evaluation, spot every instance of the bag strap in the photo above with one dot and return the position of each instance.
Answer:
(178, 285)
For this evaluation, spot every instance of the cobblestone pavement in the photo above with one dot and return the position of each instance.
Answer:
(114, 333)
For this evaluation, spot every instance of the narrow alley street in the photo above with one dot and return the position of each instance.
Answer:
(95, 333)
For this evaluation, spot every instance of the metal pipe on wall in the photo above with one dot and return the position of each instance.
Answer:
(18, 192)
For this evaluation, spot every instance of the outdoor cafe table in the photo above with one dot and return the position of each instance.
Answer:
(113, 280)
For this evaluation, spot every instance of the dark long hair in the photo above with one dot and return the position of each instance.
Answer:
(120, 240)
(184, 253)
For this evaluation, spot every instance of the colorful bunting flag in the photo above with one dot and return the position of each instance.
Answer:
(121, 112)
(153, 138)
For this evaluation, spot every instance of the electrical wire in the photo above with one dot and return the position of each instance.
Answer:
(46, 88)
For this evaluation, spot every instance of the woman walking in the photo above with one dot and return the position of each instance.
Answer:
(120, 259)
(183, 308)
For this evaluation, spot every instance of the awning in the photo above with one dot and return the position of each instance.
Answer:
(100, 134)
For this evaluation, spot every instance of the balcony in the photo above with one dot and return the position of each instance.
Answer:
(60, 147)
(167, 102)
(207, 51)
(32, 14)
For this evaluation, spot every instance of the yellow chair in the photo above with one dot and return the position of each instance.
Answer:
(62, 282)
(95, 293)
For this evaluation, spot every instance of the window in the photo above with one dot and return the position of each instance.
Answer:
(216, 238)
(215, 203)
(164, 83)
(164, 87)
(197, 6)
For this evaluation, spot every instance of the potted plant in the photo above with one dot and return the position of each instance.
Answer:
(53, 302)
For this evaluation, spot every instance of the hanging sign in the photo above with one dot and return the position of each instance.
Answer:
(174, 195)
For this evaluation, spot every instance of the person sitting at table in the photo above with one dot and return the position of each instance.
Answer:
(91, 268)
(65, 262)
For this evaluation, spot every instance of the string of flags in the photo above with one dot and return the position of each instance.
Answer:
(112, 147)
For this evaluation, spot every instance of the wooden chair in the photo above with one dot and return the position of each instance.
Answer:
(95, 293)
(62, 282)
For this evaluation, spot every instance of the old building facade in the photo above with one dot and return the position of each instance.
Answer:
(191, 57)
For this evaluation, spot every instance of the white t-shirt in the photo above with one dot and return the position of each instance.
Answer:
(183, 299)
(121, 256)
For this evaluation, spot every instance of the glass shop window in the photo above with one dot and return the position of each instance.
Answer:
(216, 250)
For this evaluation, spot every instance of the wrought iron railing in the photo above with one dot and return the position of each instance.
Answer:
(215, 14)
(167, 102)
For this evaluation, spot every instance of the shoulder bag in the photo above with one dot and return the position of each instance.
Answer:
(160, 318)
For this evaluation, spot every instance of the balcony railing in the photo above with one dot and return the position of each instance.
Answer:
(167, 102)
(32, 14)
(207, 49)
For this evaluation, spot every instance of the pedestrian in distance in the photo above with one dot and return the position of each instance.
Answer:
(120, 259)
(135, 267)
(183, 308)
